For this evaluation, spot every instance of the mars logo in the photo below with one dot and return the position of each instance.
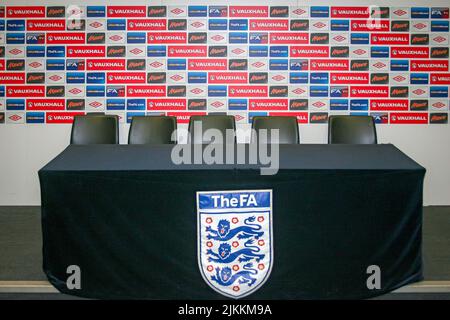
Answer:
(235, 249)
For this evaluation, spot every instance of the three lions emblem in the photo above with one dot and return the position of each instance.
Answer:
(235, 249)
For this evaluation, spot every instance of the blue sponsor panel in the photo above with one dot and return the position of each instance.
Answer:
(156, 51)
(116, 24)
(279, 51)
(399, 65)
(217, 91)
(218, 24)
(419, 78)
(96, 11)
(115, 91)
(237, 104)
(197, 77)
(420, 13)
(439, 13)
(298, 64)
(2, 91)
(439, 26)
(278, 64)
(359, 113)
(95, 77)
(197, 11)
(75, 77)
(55, 64)
(238, 24)
(15, 38)
(338, 91)
(115, 104)
(359, 104)
(15, 104)
(2, 25)
(218, 11)
(136, 104)
(359, 38)
(319, 78)
(339, 104)
(319, 12)
(379, 52)
(238, 37)
(35, 117)
(176, 64)
(74, 65)
(35, 38)
(318, 91)
(95, 91)
(439, 92)
(255, 114)
(298, 77)
(15, 25)
(258, 38)
(136, 37)
(130, 115)
(258, 51)
(56, 52)
(340, 25)
(35, 51)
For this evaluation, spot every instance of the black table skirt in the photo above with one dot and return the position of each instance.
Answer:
(127, 217)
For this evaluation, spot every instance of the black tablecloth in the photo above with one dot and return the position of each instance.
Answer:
(126, 215)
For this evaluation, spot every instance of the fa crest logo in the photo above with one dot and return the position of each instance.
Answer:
(235, 246)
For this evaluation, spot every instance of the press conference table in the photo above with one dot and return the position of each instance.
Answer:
(126, 215)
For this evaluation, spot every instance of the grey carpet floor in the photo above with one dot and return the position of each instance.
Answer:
(21, 243)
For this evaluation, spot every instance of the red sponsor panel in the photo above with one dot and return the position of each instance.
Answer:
(309, 51)
(369, 91)
(408, 118)
(25, 91)
(248, 91)
(269, 24)
(183, 117)
(227, 77)
(389, 38)
(127, 11)
(66, 38)
(369, 25)
(2, 64)
(61, 117)
(45, 104)
(126, 77)
(302, 117)
(106, 64)
(289, 37)
(25, 12)
(166, 104)
(350, 12)
(249, 11)
(268, 104)
(46, 25)
(329, 64)
(440, 78)
(410, 52)
(85, 51)
(166, 37)
(207, 64)
(349, 78)
(12, 78)
(429, 65)
(389, 105)
(147, 24)
(187, 51)
(146, 91)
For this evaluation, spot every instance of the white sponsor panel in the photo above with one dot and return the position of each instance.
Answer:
(15, 117)
(217, 104)
(195, 91)
(156, 64)
(95, 104)
(419, 92)
(176, 77)
(298, 91)
(77, 91)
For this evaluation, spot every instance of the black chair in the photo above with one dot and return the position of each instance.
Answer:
(218, 122)
(343, 129)
(287, 129)
(95, 129)
(152, 130)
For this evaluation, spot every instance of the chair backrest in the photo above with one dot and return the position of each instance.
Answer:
(95, 129)
(343, 129)
(152, 130)
(287, 129)
(218, 122)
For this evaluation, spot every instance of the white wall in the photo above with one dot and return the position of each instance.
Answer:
(24, 149)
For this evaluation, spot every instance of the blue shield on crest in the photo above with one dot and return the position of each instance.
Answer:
(235, 242)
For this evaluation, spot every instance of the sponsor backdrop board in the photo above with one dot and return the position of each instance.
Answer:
(64, 60)
(58, 61)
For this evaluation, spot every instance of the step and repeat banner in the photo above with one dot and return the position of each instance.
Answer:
(306, 61)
